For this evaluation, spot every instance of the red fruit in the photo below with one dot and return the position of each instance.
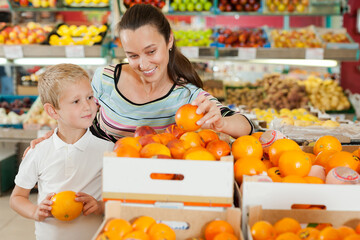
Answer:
(144, 130)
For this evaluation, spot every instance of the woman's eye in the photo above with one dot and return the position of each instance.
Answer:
(152, 52)
(91, 97)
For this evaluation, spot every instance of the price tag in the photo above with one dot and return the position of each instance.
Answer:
(190, 52)
(247, 53)
(314, 53)
(12, 52)
(74, 51)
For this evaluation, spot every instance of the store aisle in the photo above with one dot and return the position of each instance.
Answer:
(13, 226)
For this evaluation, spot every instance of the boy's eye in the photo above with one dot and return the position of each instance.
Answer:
(76, 101)
(90, 97)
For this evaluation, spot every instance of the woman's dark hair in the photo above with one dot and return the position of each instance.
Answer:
(180, 69)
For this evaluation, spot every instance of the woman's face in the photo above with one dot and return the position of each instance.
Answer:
(147, 52)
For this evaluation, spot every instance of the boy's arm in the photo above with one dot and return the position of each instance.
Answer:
(19, 201)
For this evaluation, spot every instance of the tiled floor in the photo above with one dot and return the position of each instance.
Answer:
(12, 225)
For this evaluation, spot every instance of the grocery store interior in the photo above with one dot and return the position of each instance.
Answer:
(290, 66)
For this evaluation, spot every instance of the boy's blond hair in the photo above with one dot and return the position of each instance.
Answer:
(53, 80)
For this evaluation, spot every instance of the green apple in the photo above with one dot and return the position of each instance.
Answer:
(190, 7)
(182, 7)
(177, 1)
(174, 6)
(198, 7)
(207, 6)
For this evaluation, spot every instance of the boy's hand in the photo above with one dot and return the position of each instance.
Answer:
(90, 204)
(43, 210)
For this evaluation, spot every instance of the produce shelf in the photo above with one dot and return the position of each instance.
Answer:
(59, 9)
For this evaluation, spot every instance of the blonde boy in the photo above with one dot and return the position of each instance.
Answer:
(71, 159)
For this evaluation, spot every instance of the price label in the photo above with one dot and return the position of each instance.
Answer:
(12, 52)
(190, 52)
(247, 53)
(76, 51)
(314, 53)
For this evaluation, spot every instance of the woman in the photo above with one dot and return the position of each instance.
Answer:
(157, 81)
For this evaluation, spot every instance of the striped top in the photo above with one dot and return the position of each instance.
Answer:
(119, 117)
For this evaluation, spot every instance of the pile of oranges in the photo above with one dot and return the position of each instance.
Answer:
(146, 228)
(179, 141)
(286, 162)
(290, 229)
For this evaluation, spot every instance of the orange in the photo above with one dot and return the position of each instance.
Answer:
(218, 148)
(287, 236)
(174, 130)
(186, 118)
(345, 231)
(136, 235)
(225, 236)
(143, 223)
(257, 134)
(208, 135)
(356, 153)
(125, 150)
(263, 230)
(322, 226)
(293, 179)
(294, 162)
(312, 157)
(147, 139)
(342, 159)
(267, 163)
(280, 146)
(313, 180)
(165, 137)
(113, 235)
(300, 206)
(327, 143)
(357, 228)
(162, 176)
(329, 233)
(161, 231)
(132, 141)
(121, 226)
(192, 139)
(177, 148)
(215, 227)
(248, 166)
(198, 153)
(352, 237)
(154, 149)
(64, 206)
(274, 174)
(287, 225)
(308, 233)
(323, 157)
(247, 146)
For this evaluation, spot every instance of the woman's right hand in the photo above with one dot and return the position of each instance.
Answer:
(36, 141)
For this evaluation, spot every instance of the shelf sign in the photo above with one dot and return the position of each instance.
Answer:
(314, 53)
(74, 51)
(246, 53)
(13, 51)
(190, 52)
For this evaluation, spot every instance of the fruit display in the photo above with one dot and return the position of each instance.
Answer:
(10, 119)
(78, 35)
(193, 38)
(325, 95)
(35, 3)
(290, 228)
(190, 5)
(295, 38)
(332, 37)
(146, 227)
(241, 38)
(287, 6)
(86, 3)
(37, 118)
(31, 33)
(239, 5)
(249, 96)
(215, 88)
(156, 3)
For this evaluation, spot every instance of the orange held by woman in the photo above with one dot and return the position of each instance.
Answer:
(186, 118)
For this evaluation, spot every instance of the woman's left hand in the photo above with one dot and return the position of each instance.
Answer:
(212, 116)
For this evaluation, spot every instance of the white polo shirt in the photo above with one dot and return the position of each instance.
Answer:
(57, 166)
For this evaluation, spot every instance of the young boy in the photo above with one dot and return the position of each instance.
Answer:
(71, 159)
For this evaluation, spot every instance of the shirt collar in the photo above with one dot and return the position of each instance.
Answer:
(80, 144)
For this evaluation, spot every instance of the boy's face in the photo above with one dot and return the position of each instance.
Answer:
(77, 107)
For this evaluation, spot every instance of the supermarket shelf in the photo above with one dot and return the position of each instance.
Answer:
(59, 9)
(17, 135)
(53, 51)
(267, 53)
